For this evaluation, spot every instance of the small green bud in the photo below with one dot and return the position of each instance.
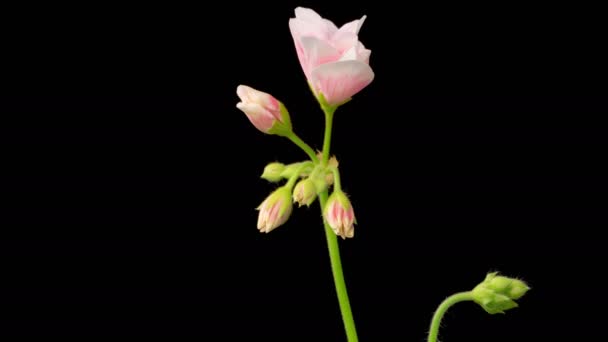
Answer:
(272, 172)
(305, 192)
(518, 289)
(497, 293)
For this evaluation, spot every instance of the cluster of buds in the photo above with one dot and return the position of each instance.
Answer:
(270, 116)
(498, 293)
(336, 66)
(312, 179)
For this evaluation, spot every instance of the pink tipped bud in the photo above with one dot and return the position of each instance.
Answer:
(340, 215)
(264, 111)
(275, 210)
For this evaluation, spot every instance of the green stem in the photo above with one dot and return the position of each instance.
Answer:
(337, 183)
(441, 310)
(304, 146)
(292, 181)
(329, 118)
(336, 267)
(332, 244)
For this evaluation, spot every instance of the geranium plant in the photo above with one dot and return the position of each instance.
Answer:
(336, 66)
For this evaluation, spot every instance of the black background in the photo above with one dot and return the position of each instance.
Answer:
(132, 178)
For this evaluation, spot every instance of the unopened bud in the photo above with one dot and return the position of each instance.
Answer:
(275, 210)
(498, 293)
(305, 192)
(264, 111)
(339, 215)
(272, 172)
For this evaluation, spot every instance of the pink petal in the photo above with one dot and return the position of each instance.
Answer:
(330, 28)
(363, 53)
(273, 214)
(346, 36)
(317, 52)
(300, 28)
(250, 95)
(297, 39)
(307, 14)
(354, 26)
(357, 52)
(350, 54)
(332, 215)
(308, 23)
(322, 29)
(261, 118)
(344, 40)
(263, 215)
(339, 81)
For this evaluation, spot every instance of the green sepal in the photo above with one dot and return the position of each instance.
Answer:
(283, 127)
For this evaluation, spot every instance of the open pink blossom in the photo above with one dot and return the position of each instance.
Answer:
(262, 109)
(334, 61)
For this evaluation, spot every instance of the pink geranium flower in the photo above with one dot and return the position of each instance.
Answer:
(334, 61)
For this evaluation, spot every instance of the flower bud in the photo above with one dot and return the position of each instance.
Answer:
(275, 210)
(305, 192)
(272, 172)
(339, 214)
(265, 112)
(498, 293)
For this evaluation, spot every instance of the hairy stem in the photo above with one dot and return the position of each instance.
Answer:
(304, 146)
(442, 309)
